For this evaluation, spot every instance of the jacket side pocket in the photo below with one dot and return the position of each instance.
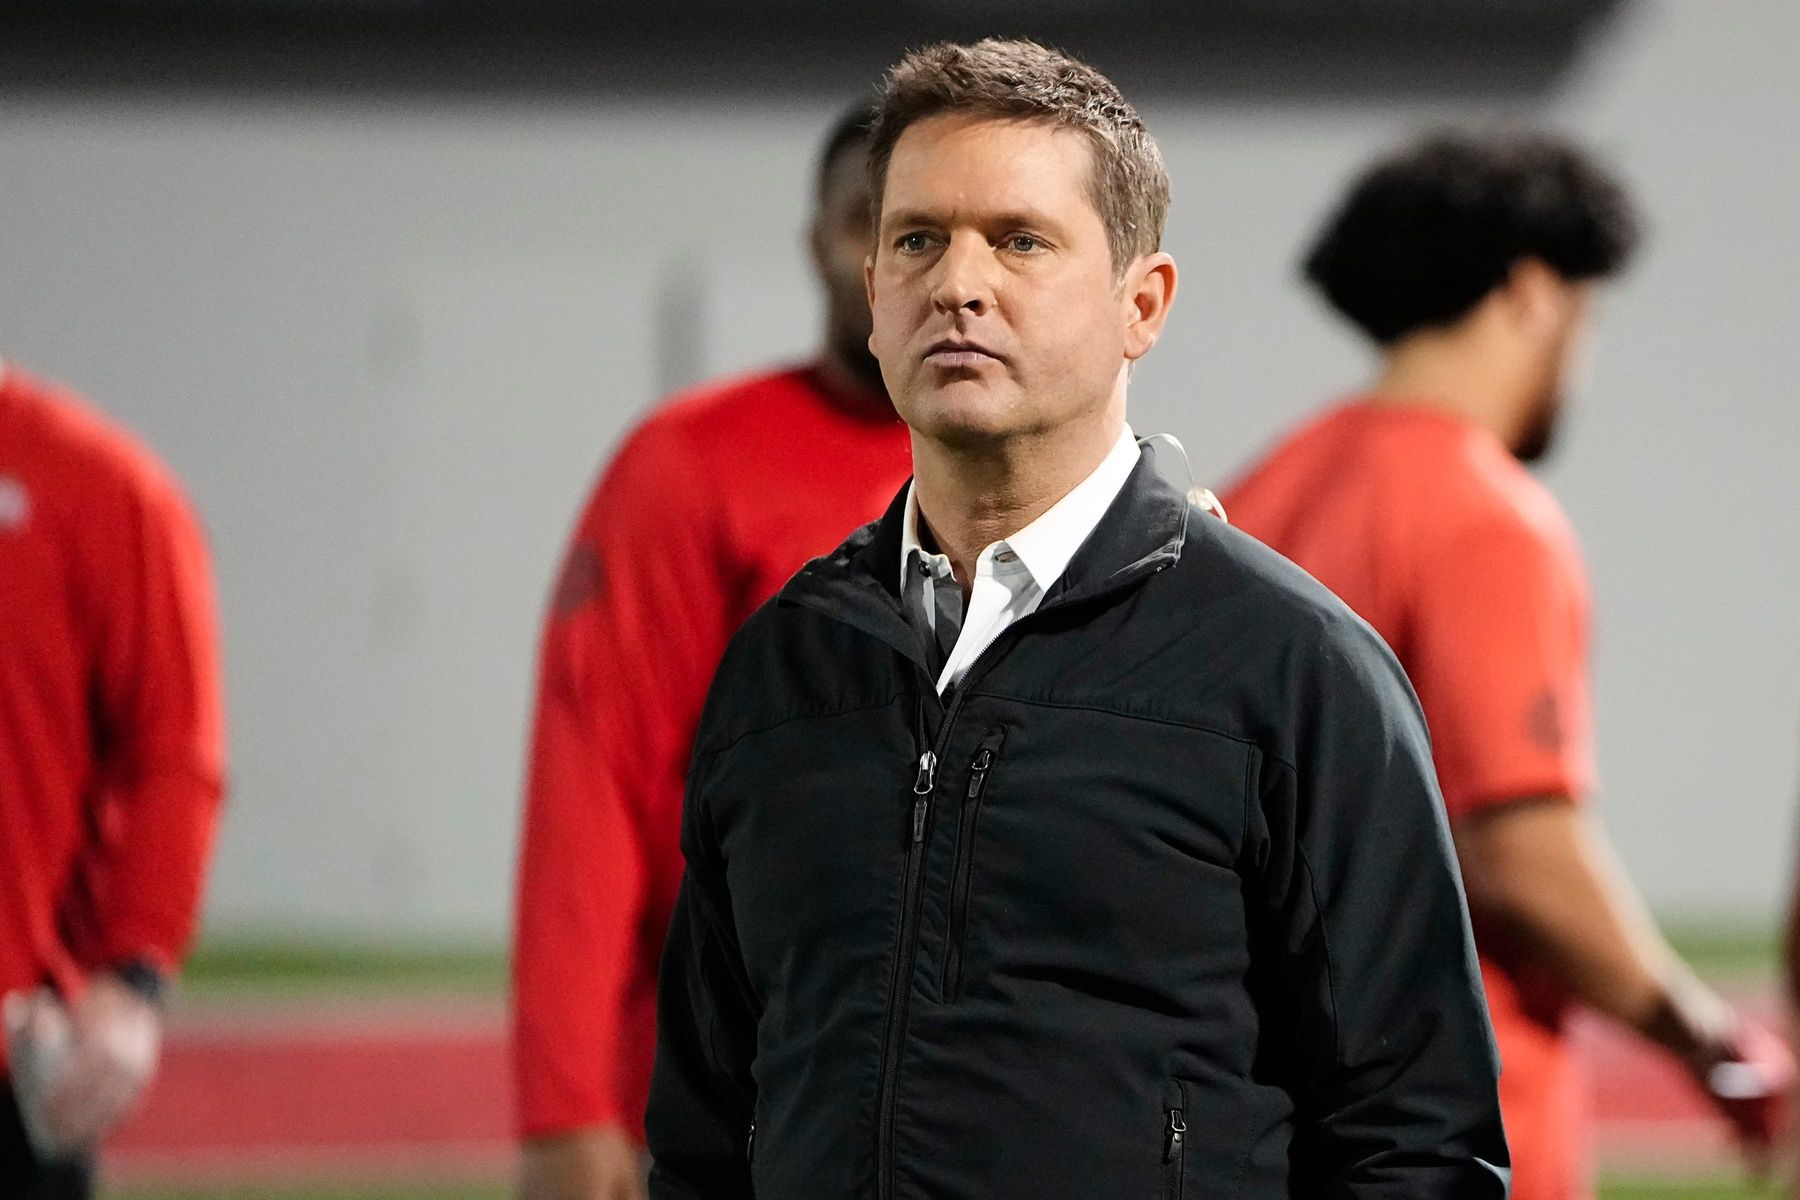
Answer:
(1174, 1139)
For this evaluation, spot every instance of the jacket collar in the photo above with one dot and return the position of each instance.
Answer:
(1142, 532)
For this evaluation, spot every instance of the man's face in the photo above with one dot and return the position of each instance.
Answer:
(1559, 371)
(839, 240)
(996, 310)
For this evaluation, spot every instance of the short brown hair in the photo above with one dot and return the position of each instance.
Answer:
(1023, 81)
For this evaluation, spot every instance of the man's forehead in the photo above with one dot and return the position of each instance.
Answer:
(997, 137)
(969, 163)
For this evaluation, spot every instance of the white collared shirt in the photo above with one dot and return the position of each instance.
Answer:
(1011, 575)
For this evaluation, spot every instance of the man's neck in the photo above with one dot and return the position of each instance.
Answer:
(971, 496)
(1433, 372)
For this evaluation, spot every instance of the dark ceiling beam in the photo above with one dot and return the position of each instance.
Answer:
(443, 49)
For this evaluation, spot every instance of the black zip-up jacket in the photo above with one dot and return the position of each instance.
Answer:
(1159, 903)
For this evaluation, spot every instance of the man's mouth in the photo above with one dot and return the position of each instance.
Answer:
(958, 352)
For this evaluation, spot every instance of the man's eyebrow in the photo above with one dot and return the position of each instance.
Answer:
(911, 217)
(1024, 218)
(1018, 218)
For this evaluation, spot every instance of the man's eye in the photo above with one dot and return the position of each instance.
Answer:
(911, 243)
(1023, 243)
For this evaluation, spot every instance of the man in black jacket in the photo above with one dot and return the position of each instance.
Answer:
(1051, 839)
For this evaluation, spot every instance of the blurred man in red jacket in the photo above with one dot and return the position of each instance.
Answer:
(705, 511)
(1470, 262)
(111, 772)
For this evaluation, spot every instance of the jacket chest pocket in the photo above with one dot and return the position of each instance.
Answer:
(981, 768)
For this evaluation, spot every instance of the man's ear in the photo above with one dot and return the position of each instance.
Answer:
(1537, 297)
(1148, 292)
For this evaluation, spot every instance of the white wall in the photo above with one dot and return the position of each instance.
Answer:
(387, 344)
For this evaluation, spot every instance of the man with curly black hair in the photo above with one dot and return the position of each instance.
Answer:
(1470, 262)
(1429, 234)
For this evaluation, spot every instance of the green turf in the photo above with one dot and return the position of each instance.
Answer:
(1726, 951)
(1650, 1189)
(285, 964)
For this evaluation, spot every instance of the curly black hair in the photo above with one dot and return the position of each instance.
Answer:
(1428, 231)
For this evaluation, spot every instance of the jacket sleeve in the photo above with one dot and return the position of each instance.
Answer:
(702, 1095)
(641, 612)
(160, 726)
(1366, 931)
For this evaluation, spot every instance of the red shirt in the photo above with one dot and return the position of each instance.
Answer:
(1434, 534)
(112, 752)
(704, 513)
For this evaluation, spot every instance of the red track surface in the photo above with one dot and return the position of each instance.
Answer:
(338, 1090)
(354, 1089)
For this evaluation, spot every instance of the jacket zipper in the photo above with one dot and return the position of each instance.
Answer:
(924, 784)
(1174, 1151)
(900, 988)
(960, 879)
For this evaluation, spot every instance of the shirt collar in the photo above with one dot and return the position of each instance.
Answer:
(1047, 544)
(909, 533)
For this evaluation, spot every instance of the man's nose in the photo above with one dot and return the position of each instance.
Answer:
(962, 282)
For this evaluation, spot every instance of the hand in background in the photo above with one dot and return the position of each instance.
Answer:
(1752, 1089)
(1749, 1081)
(588, 1164)
(84, 1064)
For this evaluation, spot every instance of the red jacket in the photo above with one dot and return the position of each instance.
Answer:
(704, 513)
(112, 752)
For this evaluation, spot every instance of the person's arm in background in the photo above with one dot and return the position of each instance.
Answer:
(1375, 987)
(1498, 654)
(639, 620)
(147, 596)
(1541, 877)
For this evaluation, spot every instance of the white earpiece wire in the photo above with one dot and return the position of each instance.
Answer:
(1200, 497)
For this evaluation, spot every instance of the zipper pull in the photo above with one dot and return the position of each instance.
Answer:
(922, 789)
(750, 1144)
(978, 771)
(1177, 1132)
(927, 774)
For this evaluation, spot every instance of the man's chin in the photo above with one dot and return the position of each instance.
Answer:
(961, 421)
(1534, 443)
(1534, 452)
